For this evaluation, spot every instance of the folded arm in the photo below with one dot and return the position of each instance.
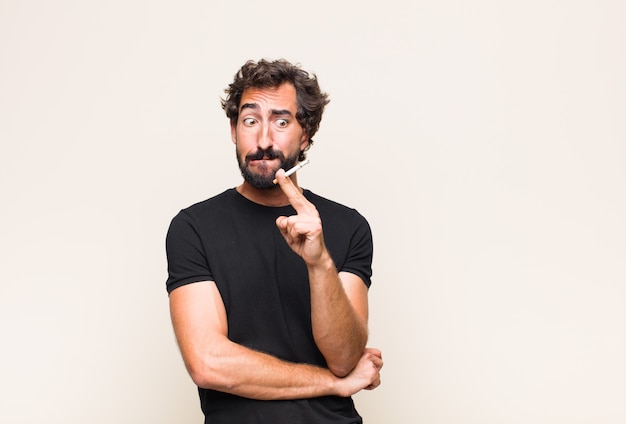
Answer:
(214, 362)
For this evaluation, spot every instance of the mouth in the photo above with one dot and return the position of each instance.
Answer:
(262, 160)
(263, 165)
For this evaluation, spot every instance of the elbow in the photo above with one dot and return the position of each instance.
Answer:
(206, 376)
(340, 371)
(341, 368)
(341, 363)
(201, 375)
(202, 379)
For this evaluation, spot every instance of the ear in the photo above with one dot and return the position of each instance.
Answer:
(233, 132)
(304, 142)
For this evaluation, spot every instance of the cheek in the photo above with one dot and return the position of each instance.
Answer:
(242, 137)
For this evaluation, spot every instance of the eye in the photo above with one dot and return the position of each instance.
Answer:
(282, 123)
(249, 121)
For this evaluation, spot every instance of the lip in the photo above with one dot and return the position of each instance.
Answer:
(262, 161)
(263, 165)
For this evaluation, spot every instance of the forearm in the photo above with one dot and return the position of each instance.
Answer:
(339, 331)
(237, 370)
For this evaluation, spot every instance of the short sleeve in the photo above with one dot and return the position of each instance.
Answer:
(186, 259)
(361, 250)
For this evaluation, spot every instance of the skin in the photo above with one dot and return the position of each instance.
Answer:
(339, 305)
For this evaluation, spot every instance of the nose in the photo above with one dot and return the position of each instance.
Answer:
(264, 139)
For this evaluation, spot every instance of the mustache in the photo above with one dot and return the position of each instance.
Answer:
(265, 154)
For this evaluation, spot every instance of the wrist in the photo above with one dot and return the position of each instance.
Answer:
(337, 386)
(323, 263)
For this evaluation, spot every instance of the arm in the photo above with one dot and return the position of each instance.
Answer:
(214, 362)
(339, 311)
(339, 305)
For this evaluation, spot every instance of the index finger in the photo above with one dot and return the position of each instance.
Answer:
(293, 193)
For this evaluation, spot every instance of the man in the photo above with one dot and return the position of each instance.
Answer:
(268, 282)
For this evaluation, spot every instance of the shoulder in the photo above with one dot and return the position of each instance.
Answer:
(215, 203)
(337, 216)
(323, 202)
(198, 214)
(325, 205)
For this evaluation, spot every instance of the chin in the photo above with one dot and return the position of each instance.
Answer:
(261, 182)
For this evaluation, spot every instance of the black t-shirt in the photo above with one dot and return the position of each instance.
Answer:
(264, 285)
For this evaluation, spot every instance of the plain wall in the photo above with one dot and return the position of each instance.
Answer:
(484, 141)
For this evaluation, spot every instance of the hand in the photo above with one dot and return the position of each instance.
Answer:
(366, 374)
(303, 231)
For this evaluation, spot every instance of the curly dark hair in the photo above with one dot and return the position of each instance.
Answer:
(263, 74)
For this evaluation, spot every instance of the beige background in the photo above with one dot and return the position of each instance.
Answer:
(484, 141)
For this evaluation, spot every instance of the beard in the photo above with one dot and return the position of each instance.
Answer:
(265, 180)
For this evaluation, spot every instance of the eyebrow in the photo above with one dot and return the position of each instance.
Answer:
(279, 112)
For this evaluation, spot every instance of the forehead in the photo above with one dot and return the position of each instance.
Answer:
(281, 97)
